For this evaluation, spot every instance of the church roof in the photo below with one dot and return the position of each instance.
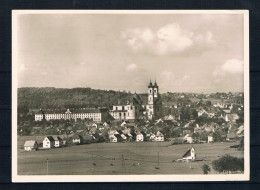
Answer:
(137, 98)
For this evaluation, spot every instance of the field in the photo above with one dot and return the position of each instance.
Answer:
(120, 158)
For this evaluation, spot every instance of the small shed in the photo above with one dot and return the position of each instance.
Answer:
(30, 145)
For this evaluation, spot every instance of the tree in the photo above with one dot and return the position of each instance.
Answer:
(228, 164)
(205, 168)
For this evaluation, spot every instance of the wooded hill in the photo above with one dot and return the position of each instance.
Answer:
(62, 98)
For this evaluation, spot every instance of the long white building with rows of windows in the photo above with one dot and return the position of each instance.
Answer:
(85, 113)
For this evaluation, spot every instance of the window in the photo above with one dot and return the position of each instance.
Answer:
(116, 108)
(150, 91)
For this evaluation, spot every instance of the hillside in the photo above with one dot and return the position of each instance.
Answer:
(58, 98)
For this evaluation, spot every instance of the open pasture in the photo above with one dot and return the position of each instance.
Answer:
(121, 158)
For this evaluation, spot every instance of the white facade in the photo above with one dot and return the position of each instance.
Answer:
(58, 142)
(76, 141)
(123, 112)
(113, 139)
(30, 145)
(47, 143)
(139, 137)
(191, 155)
(210, 139)
(188, 138)
(96, 116)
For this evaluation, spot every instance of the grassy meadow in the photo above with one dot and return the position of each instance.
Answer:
(120, 158)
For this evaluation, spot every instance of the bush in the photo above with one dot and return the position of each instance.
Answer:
(228, 164)
(205, 168)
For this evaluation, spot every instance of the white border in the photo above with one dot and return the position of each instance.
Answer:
(129, 178)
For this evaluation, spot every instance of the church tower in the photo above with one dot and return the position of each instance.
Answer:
(155, 90)
(150, 109)
(150, 93)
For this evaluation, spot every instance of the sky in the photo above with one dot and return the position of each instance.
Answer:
(182, 52)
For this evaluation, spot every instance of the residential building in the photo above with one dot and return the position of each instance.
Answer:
(190, 155)
(48, 142)
(58, 142)
(30, 145)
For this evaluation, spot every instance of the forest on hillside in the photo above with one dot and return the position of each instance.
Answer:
(60, 98)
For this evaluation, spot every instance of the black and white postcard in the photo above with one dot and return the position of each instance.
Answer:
(122, 96)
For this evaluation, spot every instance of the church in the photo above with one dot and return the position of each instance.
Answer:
(135, 108)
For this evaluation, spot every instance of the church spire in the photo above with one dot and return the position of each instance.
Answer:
(155, 84)
(150, 85)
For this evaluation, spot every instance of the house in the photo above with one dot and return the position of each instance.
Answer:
(77, 139)
(64, 141)
(30, 145)
(133, 136)
(123, 124)
(122, 134)
(58, 142)
(202, 112)
(187, 138)
(190, 155)
(111, 133)
(240, 130)
(97, 137)
(140, 136)
(116, 138)
(210, 138)
(159, 137)
(48, 142)
(152, 136)
(93, 130)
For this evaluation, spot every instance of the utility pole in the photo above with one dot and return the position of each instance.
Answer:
(47, 162)
(123, 161)
(158, 159)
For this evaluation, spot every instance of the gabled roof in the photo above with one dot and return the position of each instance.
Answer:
(96, 135)
(50, 138)
(143, 133)
(112, 132)
(57, 138)
(188, 153)
(30, 143)
(118, 136)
